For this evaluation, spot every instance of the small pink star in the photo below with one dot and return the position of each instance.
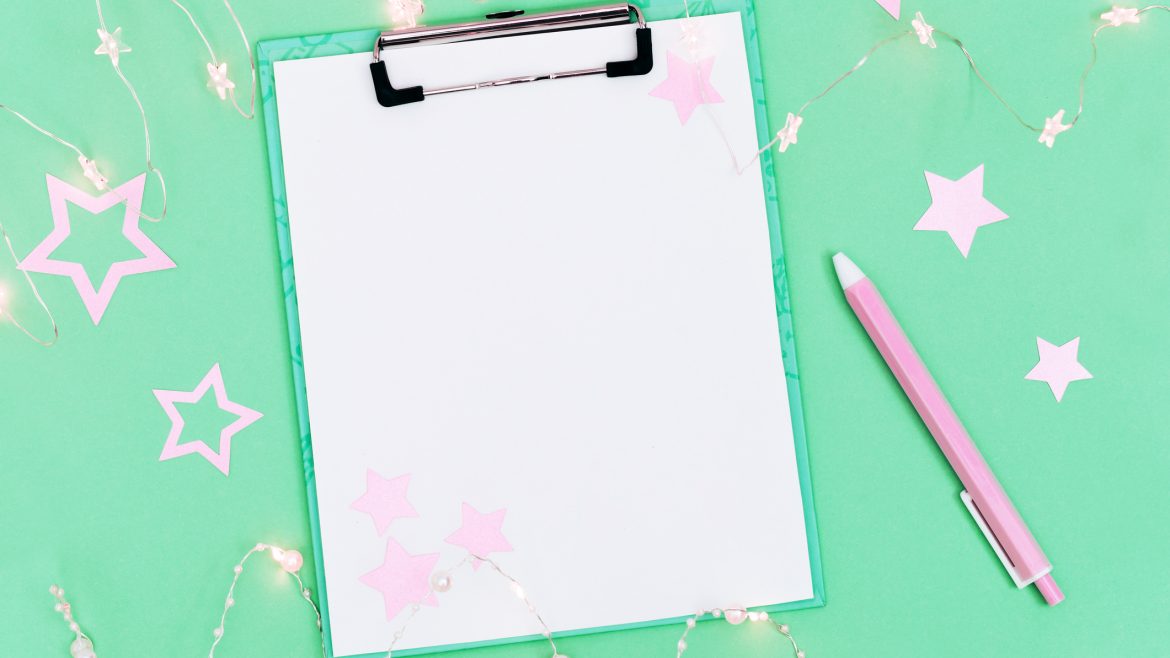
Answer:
(385, 500)
(61, 194)
(245, 417)
(403, 579)
(481, 534)
(1058, 366)
(958, 207)
(687, 85)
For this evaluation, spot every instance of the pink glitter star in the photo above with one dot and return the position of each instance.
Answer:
(687, 85)
(96, 299)
(481, 534)
(403, 579)
(385, 500)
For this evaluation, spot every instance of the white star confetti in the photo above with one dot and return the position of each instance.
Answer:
(91, 172)
(405, 13)
(1052, 128)
(1119, 16)
(111, 44)
(924, 30)
(219, 79)
(787, 134)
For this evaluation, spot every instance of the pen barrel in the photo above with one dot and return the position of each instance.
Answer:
(990, 499)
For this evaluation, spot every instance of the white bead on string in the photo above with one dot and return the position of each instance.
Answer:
(219, 81)
(734, 615)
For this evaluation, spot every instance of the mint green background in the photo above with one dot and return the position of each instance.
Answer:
(145, 549)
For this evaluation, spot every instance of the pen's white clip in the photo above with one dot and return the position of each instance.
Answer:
(995, 545)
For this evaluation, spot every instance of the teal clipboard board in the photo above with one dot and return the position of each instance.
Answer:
(324, 45)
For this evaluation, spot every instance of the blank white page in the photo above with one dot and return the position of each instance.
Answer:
(551, 298)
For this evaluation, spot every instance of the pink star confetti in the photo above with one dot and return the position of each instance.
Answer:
(1058, 366)
(385, 500)
(245, 417)
(481, 534)
(958, 207)
(403, 579)
(96, 300)
(892, 7)
(687, 85)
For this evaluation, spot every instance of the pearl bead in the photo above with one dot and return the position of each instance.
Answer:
(292, 561)
(799, 654)
(691, 622)
(81, 648)
(441, 581)
(217, 632)
(239, 569)
(735, 616)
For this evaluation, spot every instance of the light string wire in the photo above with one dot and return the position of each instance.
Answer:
(250, 113)
(291, 562)
(36, 294)
(788, 134)
(116, 63)
(735, 617)
(442, 581)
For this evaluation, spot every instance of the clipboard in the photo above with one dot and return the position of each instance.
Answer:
(414, 98)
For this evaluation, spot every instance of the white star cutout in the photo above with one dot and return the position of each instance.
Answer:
(219, 79)
(111, 44)
(787, 134)
(924, 30)
(1052, 128)
(1119, 16)
(91, 172)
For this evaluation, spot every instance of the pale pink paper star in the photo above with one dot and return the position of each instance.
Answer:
(893, 7)
(403, 579)
(385, 500)
(61, 194)
(245, 417)
(687, 85)
(958, 207)
(481, 534)
(1058, 366)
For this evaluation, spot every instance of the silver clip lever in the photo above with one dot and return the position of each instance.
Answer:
(513, 23)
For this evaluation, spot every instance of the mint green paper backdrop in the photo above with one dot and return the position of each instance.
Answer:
(145, 549)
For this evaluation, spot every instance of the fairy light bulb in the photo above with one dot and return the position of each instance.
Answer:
(290, 560)
(91, 171)
(1118, 16)
(82, 648)
(405, 13)
(924, 30)
(111, 44)
(219, 81)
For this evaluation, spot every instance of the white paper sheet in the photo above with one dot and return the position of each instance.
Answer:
(551, 298)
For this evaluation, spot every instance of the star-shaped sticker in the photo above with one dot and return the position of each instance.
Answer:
(958, 207)
(385, 500)
(90, 169)
(111, 44)
(244, 418)
(1058, 366)
(1052, 128)
(1119, 16)
(403, 579)
(687, 85)
(787, 134)
(481, 534)
(96, 300)
(219, 79)
(924, 30)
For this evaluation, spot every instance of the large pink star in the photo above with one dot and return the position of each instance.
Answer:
(1058, 366)
(403, 579)
(385, 500)
(245, 417)
(958, 207)
(687, 85)
(481, 533)
(96, 299)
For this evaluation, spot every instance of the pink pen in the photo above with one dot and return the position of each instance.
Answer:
(984, 497)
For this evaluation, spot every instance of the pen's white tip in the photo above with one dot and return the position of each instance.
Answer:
(847, 272)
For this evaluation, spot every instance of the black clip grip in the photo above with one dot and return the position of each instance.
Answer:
(388, 96)
(640, 65)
